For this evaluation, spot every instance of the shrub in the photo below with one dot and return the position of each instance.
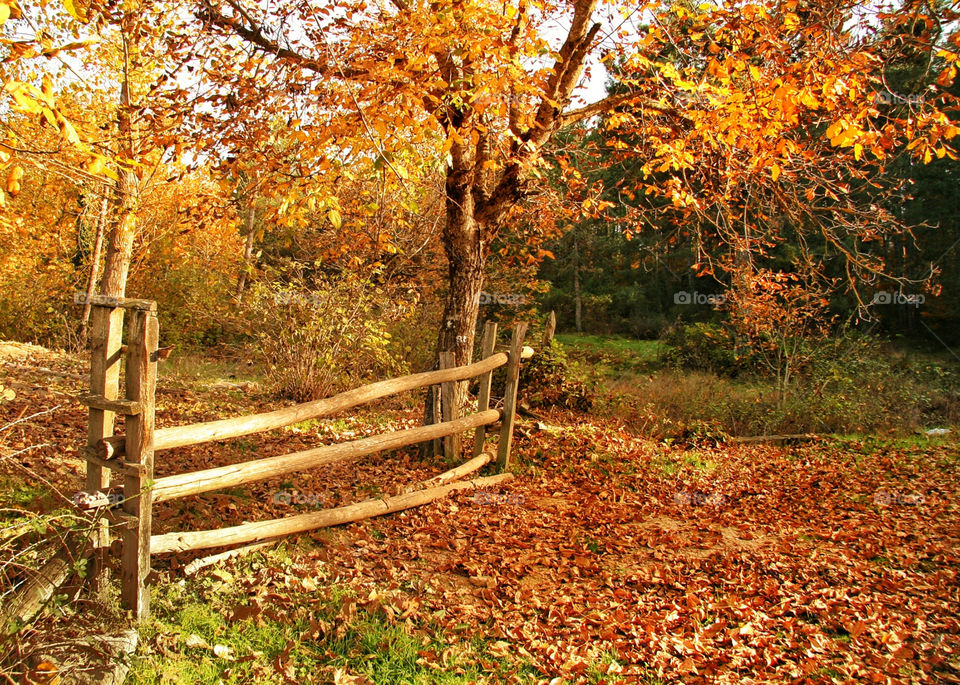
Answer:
(704, 347)
(319, 340)
(549, 380)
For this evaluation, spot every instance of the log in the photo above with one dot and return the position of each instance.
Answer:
(33, 595)
(203, 562)
(775, 439)
(196, 433)
(262, 530)
(458, 472)
(196, 482)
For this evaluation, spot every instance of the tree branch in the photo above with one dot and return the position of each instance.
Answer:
(612, 102)
(253, 34)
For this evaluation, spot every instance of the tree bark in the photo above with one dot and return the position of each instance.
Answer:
(247, 251)
(116, 266)
(94, 268)
(577, 299)
(466, 263)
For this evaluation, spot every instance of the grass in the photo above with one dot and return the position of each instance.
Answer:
(612, 356)
(305, 632)
(642, 350)
(16, 493)
(671, 464)
(197, 368)
(883, 390)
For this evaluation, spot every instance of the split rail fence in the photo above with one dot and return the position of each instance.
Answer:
(132, 453)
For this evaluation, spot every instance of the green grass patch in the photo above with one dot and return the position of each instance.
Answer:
(224, 627)
(613, 356)
(646, 350)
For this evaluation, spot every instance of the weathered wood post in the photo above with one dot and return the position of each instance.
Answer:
(483, 397)
(141, 383)
(448, 407)
(106, 338)
(510, 397)
(550, 329)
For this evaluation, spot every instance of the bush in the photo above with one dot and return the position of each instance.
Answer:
(322, 339)
(853, 384)
(704, 347)
(549, 380)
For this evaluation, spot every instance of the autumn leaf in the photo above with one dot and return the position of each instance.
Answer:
(74, 9)
(335, 219)
(13, 179)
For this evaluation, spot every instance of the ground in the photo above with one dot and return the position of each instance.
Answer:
(609, 558)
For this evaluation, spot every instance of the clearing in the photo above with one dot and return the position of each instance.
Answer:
(610, 558)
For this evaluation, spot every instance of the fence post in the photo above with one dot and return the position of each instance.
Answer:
(510, 397)
(483, 398)
(106, 338)
(550, 329)
(141, 382)
(448, 407)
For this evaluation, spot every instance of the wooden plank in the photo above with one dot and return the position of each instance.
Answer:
(141, 386)
(263, 530)
(483, 397)
(196, 433)
(196, 482)
(106, 337)
(449, 410)
(116, 302)
(125, 407)
(510, 397)
(21, 605)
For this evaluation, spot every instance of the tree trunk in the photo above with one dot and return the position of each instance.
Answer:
(120, 246)
(247, 252)
(577, 299)
(466, 262)
(94, 267)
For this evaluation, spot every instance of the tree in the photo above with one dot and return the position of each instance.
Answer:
(478, 81)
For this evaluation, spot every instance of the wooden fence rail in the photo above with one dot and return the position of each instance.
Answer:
(196, 433)
(132, 454)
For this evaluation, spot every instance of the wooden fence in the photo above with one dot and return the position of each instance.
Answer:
(132, 454)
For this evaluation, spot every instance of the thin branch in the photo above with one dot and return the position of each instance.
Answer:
(612, 102)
